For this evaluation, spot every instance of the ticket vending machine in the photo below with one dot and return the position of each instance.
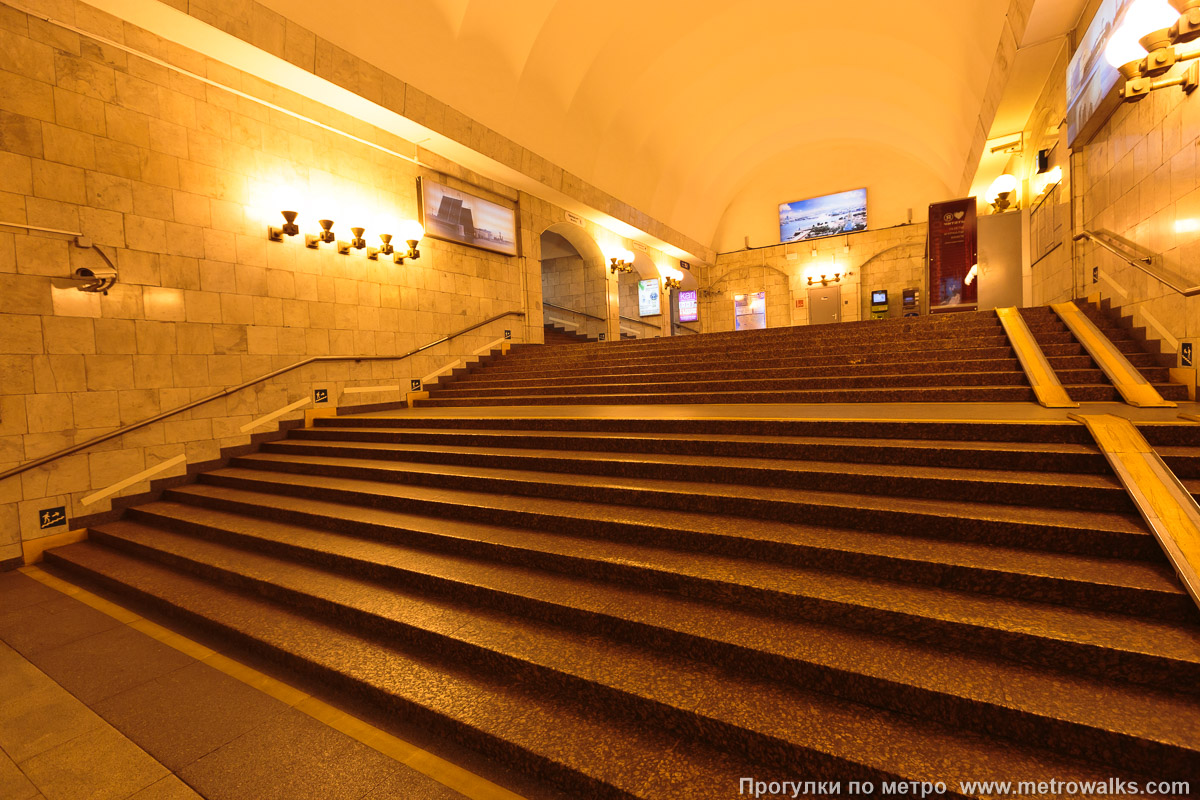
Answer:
(911, 303)
(879, 304)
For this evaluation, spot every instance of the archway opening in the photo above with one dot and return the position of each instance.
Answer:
(640, 320)
(574, 289)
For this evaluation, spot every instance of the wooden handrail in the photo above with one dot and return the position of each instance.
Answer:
(1143, 263)
(66, 451)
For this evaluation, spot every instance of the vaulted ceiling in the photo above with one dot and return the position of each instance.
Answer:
(679, 106)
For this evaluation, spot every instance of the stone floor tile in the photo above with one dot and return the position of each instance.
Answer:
(14, 785)
(311, 760)
(51, 624)
(99, 765)
(187, 713)
(109, 662)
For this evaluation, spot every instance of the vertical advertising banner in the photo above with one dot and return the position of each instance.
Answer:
(688, 310)
(648, 304)
(952, 256)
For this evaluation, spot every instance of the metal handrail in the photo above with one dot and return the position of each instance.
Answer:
(639, 321)
(66, 451)
(1143, 263)
(684, 327)
(573, 311)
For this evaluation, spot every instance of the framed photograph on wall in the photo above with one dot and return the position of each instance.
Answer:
(455, 215)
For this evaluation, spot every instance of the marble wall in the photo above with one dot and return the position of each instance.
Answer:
(888, 258)
(173, 164)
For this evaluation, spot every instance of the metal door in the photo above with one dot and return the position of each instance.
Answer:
(824, 305)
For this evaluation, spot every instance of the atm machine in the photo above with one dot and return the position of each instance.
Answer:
(911, 303)
(879, 304)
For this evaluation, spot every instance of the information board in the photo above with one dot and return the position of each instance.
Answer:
(648, 304)
(952, 254)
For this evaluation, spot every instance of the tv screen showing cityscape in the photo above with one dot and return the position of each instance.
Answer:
(829, 215)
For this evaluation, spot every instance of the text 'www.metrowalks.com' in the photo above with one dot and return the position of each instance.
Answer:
(1112, 787)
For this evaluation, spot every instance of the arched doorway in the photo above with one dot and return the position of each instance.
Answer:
(635, 325)
(574, 282)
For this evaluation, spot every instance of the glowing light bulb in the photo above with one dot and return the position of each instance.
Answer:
(410, 231)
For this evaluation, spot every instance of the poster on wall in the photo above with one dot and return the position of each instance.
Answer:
(1091, 80)
(648, 303)
(749, 311)
(829, 215)
(459, 216)
(952, 256)
(688, 308)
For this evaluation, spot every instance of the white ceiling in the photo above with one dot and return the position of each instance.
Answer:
(673, 106)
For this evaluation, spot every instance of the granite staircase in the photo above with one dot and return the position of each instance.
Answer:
(626, 608)
(945, 358)
(557, 334)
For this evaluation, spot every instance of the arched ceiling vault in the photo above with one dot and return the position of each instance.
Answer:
(672, 105)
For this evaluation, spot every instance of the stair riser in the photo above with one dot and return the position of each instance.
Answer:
(358, 691)
(1072, 739)
(504, 668)
(1031, 494)
(999, 394)
(832, 451)
(1038, 537)
(701, 372)
(1049, 433)
(760, 508)
(638, 386)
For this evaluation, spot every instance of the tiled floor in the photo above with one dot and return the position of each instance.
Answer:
(97, 702)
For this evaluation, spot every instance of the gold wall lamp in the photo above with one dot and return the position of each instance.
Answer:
(824, 281)
(289, 227)
(313, 240)
(670, 282)
(1144, 46)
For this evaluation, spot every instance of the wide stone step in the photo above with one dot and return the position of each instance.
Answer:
(395, 591)
(947, 454)
(1040, 488)
(927, 394)
(1098, 584)
(589, 750)
(1104, 534)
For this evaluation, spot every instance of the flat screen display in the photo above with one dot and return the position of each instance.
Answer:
(688, 310)
(648, 305)
(879, 297)
(828, 215)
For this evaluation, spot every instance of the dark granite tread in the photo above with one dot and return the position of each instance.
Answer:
(1126, 731)
(1069, 490)
(739, 500)
(926, 611)
(582, 750)
(1103, 534)
(1097, 583)
(927, 394)
(1060, 456)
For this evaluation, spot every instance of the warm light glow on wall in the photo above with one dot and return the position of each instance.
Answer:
(1187, 225)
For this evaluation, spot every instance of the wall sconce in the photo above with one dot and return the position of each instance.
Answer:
(837, 276)
(1003, 192)
(385, 248)
(622, 261)
(357, 243)
(289, 228)
(411, 232)
(670, 282)
(1143, 47)
(326, 235)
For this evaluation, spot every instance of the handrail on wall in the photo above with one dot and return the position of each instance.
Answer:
(1143, 263)
(66, 451)
(573, 311)
(639, 321)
